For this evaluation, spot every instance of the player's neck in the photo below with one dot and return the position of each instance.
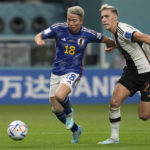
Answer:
(75, 32)
(114, 28)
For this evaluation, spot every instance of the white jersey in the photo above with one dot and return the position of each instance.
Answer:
(137, 54)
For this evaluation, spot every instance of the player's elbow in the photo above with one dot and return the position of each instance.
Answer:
(38, 37)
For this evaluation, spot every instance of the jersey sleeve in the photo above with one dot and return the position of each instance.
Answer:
(99, 37)
(48, 33)
(127, 32)
(96, 36)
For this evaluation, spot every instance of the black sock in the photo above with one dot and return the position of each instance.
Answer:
(61, 116)
(74, 128)
(67, 105)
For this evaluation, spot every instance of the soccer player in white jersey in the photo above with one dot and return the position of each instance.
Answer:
(71, 40)
(135, 47)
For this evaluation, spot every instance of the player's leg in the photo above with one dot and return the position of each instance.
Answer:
(56, 107)
(61, 94)
(58, 110)
(119, 95)
(144, 110)
(68, 81)
(144, 105)
(62, 91)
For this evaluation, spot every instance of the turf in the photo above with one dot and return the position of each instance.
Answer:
(45, 132)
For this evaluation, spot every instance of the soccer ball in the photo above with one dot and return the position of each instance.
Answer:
(17, 130)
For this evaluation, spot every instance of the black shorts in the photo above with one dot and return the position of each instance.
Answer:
(136, 82)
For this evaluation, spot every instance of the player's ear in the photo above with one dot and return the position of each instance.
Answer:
(115, 17)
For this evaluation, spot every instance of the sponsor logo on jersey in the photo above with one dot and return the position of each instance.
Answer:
(128, 35)
(63, 39)
(81, 41)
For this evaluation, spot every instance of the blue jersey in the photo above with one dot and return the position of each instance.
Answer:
(69, 47)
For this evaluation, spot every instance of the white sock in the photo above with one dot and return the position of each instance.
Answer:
(115, 130)
(115, 117)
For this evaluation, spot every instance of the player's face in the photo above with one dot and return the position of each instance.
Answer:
(74, 23)
(109, 20)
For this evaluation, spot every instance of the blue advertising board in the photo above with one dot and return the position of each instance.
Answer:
(31, 86)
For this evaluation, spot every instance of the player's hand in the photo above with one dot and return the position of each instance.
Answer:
(110, 44)
(40, 43)
(109, 49)
(38, 40)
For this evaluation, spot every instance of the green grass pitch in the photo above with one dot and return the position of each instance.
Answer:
(45, 132)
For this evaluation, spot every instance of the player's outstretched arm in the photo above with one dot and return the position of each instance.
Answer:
(110, 44)
(138, 36)
(39, 40)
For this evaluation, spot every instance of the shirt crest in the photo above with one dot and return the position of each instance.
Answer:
(81, 41)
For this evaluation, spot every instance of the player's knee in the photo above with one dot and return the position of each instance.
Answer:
(59, 96)
(144, 116)
(114, 103)
(55, 109)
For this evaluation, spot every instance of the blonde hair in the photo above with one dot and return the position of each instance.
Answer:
(106, 6)
(77, 10)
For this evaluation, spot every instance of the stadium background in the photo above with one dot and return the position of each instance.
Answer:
(25, 68)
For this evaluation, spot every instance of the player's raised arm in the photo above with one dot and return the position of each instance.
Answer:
(138, 36)
(39, 40)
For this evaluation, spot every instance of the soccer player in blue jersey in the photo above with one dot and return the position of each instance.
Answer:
(71, 40)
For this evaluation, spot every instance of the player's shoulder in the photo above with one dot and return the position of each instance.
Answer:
(59, 25)
(89, 31)
(123, 27)
(125, 30)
